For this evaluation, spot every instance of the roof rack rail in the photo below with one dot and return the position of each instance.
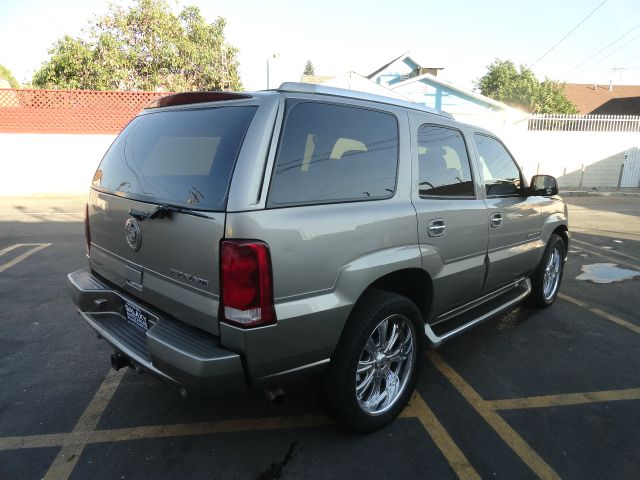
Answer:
(295, 87)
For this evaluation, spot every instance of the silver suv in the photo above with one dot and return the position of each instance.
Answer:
(243, 240)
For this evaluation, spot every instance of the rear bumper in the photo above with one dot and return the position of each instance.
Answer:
(176, 353)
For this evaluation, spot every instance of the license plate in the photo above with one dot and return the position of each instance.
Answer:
(136, 317)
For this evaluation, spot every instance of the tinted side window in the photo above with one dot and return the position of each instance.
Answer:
(500, 172)
(444, 163)
(331, 153)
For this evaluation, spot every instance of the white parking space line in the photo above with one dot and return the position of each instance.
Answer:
(21, 257)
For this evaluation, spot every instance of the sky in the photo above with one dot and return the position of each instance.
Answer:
(463, 36)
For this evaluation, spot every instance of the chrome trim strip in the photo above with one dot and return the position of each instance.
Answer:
(475, 303)
(297, 369)
(436, 341)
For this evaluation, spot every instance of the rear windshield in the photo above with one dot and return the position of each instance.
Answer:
(179, 157)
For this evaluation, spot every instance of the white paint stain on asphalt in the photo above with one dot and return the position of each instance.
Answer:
(606, 273)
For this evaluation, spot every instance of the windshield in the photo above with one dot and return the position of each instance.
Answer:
(179, 157)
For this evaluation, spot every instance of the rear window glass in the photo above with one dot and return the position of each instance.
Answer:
(180, 157)
(331, 153)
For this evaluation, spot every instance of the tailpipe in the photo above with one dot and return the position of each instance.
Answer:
(119, 361)
(275, 395)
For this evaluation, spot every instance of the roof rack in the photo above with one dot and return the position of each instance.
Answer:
(295, 87)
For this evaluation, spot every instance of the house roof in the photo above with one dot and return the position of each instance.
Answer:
(355, 81)
(433, 79)
(401, 57)
(622, 100)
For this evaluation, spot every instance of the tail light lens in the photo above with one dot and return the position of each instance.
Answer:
(87, 230)
(246, 283)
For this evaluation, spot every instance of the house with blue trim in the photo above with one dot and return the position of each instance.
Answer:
(405, 76)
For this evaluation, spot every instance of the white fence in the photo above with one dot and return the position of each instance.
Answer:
(584, 123)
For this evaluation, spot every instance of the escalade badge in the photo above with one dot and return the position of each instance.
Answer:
(133, 234)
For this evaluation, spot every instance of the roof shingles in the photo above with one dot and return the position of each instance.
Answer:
(621, 100)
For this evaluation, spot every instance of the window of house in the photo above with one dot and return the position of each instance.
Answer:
(331, 153)
(499, 170)
(443, 162)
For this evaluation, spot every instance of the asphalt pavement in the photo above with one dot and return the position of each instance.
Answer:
(551, 393)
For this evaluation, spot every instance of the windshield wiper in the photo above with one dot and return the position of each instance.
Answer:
(163, 210)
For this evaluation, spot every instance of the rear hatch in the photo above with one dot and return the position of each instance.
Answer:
(157, 207)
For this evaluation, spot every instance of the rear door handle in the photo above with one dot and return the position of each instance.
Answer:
(496, 220)
(436, 227)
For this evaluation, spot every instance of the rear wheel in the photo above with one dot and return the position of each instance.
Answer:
(545, 282)
(375, 367)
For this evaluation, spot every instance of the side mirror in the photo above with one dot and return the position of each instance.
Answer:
(543, 185)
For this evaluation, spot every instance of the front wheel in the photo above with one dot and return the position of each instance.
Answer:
(545, 282)
(375, 367)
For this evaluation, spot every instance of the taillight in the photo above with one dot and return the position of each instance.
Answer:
(87, 230)
(246, 283)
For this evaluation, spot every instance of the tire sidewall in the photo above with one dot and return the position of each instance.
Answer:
(347, 358)
(554, 241)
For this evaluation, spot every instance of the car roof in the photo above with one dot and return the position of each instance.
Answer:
(312, 88)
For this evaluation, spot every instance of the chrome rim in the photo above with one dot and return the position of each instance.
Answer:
(551, 278)
(385, 365)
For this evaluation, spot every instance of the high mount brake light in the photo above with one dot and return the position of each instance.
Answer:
(187, 98)
(246, 283)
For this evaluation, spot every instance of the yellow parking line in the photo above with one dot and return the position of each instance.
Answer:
(601, 313)
(543, 401)
(22, 256)
(616, 252)
(68, 456)
(82, 438)
(418, 408)
(610, 258)
(499, 425)
(17, 245)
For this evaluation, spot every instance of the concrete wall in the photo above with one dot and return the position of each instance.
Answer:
(565, 155)
(40, 164)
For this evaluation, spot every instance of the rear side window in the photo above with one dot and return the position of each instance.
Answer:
(500, 172)
(444, 163)
(180, 157)
(330, 153)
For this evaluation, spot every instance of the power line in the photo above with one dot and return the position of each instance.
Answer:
(600, 51)
(589, 67)
(572, 30)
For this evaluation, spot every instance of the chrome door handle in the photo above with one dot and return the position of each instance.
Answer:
(436, 228)
(496, 220)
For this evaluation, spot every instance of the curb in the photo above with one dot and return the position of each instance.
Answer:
(582, 193)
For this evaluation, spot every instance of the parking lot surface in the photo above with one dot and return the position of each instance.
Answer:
(529, 394)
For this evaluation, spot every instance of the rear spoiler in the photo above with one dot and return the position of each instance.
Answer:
(187, 98)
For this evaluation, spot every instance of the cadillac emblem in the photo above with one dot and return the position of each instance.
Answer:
(133, 234)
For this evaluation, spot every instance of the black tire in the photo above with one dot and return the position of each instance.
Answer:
(340, 378)
(538, 298)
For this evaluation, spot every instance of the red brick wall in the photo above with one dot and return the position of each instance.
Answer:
(69, 111)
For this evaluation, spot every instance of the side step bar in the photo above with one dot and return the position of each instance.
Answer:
(512, 296)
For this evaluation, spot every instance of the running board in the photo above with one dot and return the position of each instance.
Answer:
(467, 319)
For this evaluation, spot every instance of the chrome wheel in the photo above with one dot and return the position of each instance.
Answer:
(551, 277)
(385, 364)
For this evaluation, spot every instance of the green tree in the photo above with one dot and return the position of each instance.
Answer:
(5, 74)
(309, 68)
(519, 87)
(144, 47)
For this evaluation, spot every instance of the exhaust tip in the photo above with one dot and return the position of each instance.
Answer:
(275, 395)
